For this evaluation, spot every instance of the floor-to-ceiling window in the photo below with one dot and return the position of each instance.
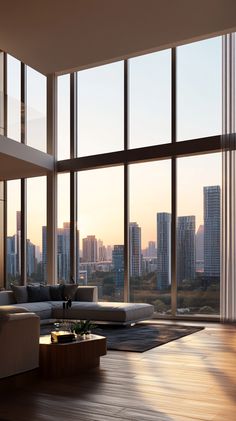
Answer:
(156, 114)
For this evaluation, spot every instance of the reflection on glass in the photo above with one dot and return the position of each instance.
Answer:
(150, 99)
(150, 234)
(63, 120)
(198, 234)
(101, 226)
(13, 232)
(63, 228)
(13, 98)
(101, 109)
(36, 231)
(199, 89)
(36, 110)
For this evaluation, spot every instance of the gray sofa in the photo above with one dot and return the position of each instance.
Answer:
(84, 305)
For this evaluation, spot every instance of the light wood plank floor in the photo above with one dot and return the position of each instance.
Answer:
(193, 378)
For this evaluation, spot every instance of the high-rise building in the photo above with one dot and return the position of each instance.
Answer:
(151, 250)
(63, 252)
(199, 244)
(44, 254)
(185, 245)
(163, 250)
(31, 259)
(118, 265)
(135, 264)
(11, 257)
(90, 249)
(211, 232)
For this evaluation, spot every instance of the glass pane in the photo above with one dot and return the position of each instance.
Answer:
(198, 234)
(63, 121)
(13, 232)
(13, 98)
(63, 230)
(36, 211)
(149, 234)
(36, 110)
(199, 89)
(1, 236)
(101, 109)
(101, 226)
(150, 99)
(1, 93)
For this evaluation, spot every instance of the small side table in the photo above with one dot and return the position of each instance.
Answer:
(56, 360)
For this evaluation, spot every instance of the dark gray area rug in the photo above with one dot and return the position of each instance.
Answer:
(142, 337)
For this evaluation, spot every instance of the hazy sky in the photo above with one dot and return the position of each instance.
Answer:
(100, 119)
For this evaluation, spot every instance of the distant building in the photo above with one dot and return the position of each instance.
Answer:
(90, 249)
(31, 259)
(135, 263)
(163, 250)
(199, 246)
(151, 250)
(118, 265)
(211, 232)
(185, 246)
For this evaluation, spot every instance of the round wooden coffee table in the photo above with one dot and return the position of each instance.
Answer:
(56, 360)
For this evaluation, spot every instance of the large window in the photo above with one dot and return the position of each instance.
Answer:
(101, 231)
(198, 234)
(199, 89)
(147, 208)
(13, 232)
(150, 99)
(35, 242)
(100, 109)
(63, 120)
(13, 98)
(150, 234)
(36, 110)
(63, 228)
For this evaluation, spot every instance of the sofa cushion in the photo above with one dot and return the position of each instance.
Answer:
(56, 292)
(86, 293)
(45, 293)
(105, 311)
(20, 293)
(42, 309)
(33, 293)
(69, 291)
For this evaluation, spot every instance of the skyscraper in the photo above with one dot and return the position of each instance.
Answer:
(211, 232)
(134, 249)
(163, 250)
(185, 243)
(118, 265)
(90, 249)
(199, 244)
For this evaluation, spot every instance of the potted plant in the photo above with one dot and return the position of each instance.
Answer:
(83, 329)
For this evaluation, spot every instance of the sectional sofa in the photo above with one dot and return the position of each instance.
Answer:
(49, 303)
(24, 309)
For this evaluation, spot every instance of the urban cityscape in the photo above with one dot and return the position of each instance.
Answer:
(197, 257)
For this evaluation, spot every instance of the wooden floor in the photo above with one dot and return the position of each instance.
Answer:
(193, 378)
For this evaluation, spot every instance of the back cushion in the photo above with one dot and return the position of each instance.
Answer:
(33, 293)
(45, 293)
(20, 293)
(56, 292)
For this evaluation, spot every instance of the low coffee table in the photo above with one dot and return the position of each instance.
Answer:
(56, 360)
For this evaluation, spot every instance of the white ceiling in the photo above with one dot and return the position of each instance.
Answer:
(57, 36)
